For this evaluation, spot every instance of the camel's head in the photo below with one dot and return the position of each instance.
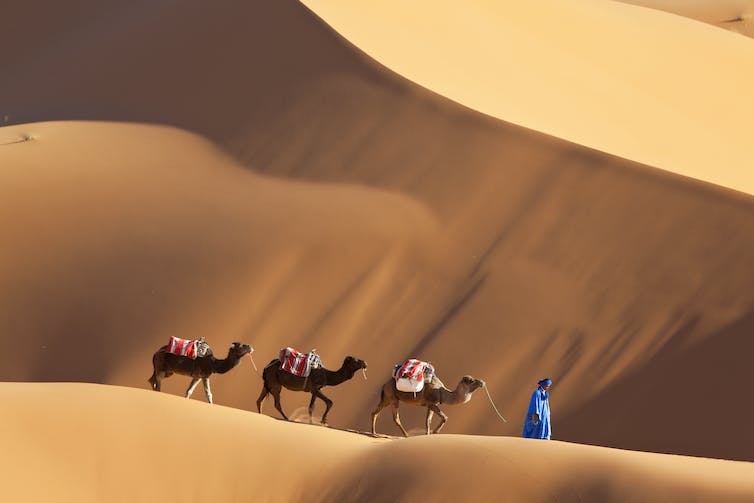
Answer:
(471, 383)
(354, 364)
(239, 349)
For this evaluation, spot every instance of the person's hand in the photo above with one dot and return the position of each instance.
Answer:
(535, 418)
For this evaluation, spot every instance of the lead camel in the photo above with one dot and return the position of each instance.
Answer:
(431, 396)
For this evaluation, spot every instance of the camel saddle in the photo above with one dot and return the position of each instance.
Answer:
(412, 374)
(298, 363)
(193, 349)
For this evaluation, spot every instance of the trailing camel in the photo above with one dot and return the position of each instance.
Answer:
(275, 379)
(166, 364)
(431, 396)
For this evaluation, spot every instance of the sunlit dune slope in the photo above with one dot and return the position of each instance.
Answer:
(630, 81)
(87, 443)
(90, 443)
(733, 15)
(639, 83)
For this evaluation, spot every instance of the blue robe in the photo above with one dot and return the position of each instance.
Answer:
(540, 405)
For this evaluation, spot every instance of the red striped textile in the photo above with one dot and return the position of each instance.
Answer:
(294, 362)
(182, 347)
(412, 369)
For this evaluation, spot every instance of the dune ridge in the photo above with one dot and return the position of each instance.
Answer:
(733, 15)
(167, 448)
(633, 82)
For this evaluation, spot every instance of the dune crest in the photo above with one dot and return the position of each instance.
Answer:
(163, 446)
(629, 81)
(733, 15)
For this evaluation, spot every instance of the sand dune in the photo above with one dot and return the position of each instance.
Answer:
(733, 15)
(630, 81)
(633, 82)
(148, 232)
(140, 446)
(541, 243)
(124, 234)
(245, 173)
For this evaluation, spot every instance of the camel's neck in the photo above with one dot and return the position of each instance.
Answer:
(335, 377)
(459, 395)
(222, 366)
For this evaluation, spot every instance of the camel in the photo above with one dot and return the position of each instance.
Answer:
(431, 396)
(275, 379)
(166, 364)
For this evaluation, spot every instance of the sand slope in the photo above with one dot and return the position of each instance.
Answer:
(147, 232)
(141, 446)
(123, 235)
(401, 224)
(630, 81)
(634, 82)
(733, 15)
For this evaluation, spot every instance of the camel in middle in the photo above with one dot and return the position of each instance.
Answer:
(431, 396)
(275, 379)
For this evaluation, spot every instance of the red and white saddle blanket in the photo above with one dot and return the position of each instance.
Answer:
(298, 363)
(189, 348)
(412, 375)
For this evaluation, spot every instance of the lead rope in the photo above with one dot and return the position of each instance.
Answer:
(493, 403)
(254, 365)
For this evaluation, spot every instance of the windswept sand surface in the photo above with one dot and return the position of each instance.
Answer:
(140, 446)
(634, 82)
(244, 173)
(734, 15)
(118, 236)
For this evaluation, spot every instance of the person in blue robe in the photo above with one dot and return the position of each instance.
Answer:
(537, 422)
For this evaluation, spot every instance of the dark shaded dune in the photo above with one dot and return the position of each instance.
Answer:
(683, 389)
(551, 259)
(211, 69)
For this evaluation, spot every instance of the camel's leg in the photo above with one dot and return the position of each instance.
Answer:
(443, 417)
(430, 413)
(192, 386)
(158, 362)
(261, 398)
(207, 391)
(311, 407)
(276, 395)
(328, 403)
(156, 380)
(383, 403)
(397, 419)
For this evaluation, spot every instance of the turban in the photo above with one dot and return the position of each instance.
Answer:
(545, 382)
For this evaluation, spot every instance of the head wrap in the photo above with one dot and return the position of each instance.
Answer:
(545, 382)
